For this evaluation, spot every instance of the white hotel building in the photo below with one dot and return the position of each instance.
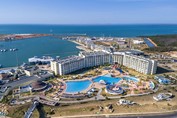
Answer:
(68, 65)
(84, 60)
(140, 64)
(91, 59)
(95, 58)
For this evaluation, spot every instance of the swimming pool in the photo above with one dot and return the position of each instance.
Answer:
(131, 78)
(108, 80)
(77, 86)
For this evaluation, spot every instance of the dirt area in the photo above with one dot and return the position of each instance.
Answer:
(172, 54)
(104, 43)
(139, 46)
(147, 104)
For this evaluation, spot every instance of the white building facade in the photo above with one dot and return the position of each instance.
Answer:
(95, 58)
(70, 65)
(91, 59)
(140, 64)
(84, 60)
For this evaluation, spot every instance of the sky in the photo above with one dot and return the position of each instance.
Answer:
(88, 11)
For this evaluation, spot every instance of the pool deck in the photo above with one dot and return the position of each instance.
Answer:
(84, 91)
(93, 84)
(116, 73)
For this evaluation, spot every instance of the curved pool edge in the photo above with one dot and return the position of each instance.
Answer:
(131, 78)
(82, 91)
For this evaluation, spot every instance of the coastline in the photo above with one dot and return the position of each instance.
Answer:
(8, 68)
(81, 46)
(14, 37)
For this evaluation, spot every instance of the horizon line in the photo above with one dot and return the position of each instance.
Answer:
(90, 24)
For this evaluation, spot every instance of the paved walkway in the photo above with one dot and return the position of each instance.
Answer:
(167, 114)
(99, 96)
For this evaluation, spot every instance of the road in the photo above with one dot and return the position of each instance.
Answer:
(26, 79)
(31, 109)
(172, 115)
(145, 115)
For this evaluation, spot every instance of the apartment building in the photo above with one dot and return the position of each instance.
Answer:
(140, 64)
(95, 58)
(68, 65)
(91, 59)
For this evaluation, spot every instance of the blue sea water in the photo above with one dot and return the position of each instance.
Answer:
(43, 46)
(92, 30)
(55, 47)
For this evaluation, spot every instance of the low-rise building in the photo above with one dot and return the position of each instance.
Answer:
(30, 71)
(162, 80)
(24, 89)
(3, 75)
(138, 42)
(162, 96)
(38, 86)
(125, 102)
(132, 51)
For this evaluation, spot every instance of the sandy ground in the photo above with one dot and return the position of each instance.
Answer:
(147, 104)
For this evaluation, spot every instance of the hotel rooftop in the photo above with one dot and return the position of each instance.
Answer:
(93, 53)
(70, 59)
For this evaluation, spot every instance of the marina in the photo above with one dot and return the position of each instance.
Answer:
(6, 50)
(19, 51)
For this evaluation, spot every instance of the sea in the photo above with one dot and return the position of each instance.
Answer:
(51, 46)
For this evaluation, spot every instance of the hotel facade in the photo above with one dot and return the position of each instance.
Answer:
(140, 64)
(84, 60)
(91, 59)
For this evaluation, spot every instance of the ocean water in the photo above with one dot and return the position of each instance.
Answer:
(43, 46)
(56, 47)
(92, 30)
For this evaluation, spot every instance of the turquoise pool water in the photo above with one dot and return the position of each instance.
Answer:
(77, 86)
(131, 78)
(108, 80)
